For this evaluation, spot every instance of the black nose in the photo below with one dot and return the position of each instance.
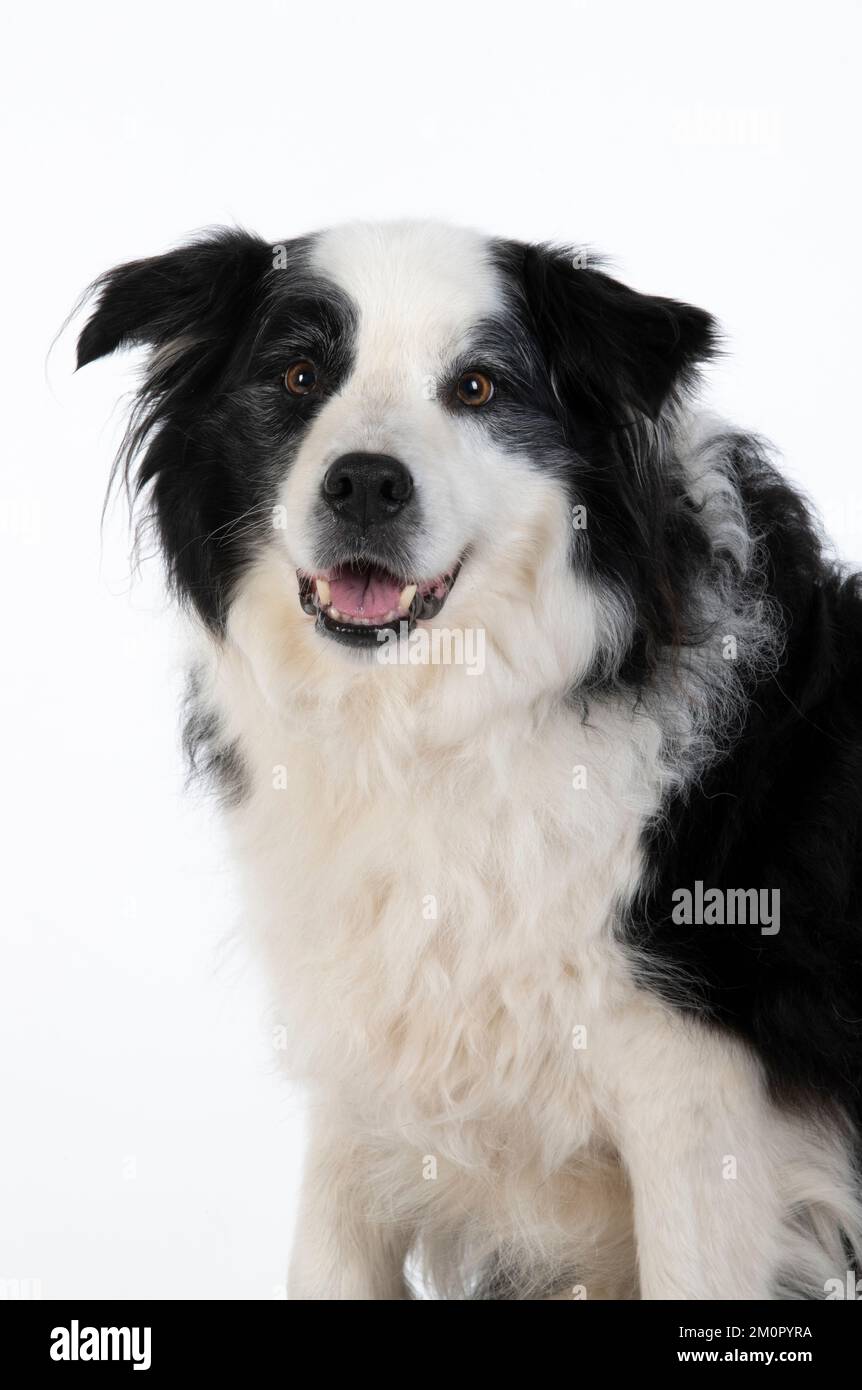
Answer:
(367, 490)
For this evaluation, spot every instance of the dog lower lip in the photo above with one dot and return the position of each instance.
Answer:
(356, 602)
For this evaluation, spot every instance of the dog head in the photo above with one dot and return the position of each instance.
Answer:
(380, 429)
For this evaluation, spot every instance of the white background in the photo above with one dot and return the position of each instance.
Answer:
(712, 149)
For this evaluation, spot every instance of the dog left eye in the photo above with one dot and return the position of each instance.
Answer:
(302, 378)
(474, 388)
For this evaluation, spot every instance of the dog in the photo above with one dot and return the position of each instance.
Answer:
(562, 925)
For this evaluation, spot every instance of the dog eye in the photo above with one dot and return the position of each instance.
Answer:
(474, 388)
(301, 378)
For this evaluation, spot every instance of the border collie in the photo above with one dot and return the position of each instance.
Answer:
(565, 940)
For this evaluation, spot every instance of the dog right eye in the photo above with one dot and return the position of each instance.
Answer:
(301, 378)
(474, 389)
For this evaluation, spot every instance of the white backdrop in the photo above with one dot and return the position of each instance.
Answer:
(711, 149)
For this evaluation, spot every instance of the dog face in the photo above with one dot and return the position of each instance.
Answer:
(405, 425)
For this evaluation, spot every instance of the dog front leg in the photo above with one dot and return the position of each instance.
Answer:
(697, 1138)
(339, 1251)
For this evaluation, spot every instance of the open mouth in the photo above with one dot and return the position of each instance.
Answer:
(355, 603)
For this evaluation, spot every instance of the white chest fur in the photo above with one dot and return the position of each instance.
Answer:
(437, 916)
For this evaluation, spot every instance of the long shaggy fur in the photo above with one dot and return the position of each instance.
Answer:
(529, 1078)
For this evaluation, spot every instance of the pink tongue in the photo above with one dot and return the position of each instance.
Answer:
(372, 594)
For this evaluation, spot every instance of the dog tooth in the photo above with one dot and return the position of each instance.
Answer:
(408, 594)
(324, 592)
(333, 613)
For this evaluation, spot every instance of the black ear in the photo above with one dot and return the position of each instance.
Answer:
(614, 348)
(198, 291)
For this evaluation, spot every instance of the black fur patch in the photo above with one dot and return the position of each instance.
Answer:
(212, 759)
(584, 362)
(782, 810)
(215, 430)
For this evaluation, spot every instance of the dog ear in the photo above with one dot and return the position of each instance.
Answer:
(197, 294)
(607, 346)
